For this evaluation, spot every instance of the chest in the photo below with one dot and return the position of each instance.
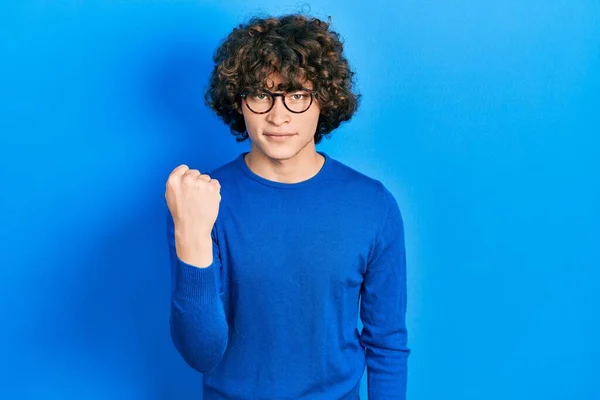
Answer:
(294, 245)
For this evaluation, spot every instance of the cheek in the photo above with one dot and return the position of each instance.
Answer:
(252, 121)
(313, 118)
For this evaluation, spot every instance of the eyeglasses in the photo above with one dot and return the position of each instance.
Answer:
(262, 101)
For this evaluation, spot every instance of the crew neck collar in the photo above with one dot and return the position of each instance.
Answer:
(282, 185)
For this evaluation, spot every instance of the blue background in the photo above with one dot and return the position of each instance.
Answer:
(481, 117)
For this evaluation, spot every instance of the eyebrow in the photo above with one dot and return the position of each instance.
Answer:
(285, 91)
(287, 87)
(283, 86)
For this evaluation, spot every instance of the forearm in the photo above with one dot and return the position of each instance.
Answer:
(387, 373)
(193, 249)
(198, 325)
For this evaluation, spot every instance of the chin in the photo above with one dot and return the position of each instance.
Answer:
(281, 153)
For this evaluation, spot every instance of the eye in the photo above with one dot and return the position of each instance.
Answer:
(298, 96)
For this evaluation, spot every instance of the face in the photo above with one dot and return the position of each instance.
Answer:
(279, 119)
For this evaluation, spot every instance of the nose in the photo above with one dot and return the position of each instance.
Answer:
(278, 114)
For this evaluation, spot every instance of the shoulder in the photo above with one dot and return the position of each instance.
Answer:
(224, 170)
(355, 179)
(367, 188)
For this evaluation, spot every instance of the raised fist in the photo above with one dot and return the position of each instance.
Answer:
(193, 200)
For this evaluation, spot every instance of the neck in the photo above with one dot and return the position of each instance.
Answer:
(298, 168)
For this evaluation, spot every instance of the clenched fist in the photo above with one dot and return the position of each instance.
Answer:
(193, 199)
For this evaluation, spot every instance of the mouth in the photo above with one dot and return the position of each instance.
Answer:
(278, 137)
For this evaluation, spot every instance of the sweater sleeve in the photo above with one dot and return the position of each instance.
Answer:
(383, 308)
(198, 326)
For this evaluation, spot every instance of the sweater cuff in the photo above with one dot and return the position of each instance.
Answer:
(196, 285)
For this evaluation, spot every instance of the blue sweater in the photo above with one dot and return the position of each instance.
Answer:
(275, 315)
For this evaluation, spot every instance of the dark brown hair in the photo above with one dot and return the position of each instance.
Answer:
(301, 49)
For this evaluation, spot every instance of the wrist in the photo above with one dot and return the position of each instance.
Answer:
(195, 250)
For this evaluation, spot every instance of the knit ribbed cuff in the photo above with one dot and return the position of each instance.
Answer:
(196, 285)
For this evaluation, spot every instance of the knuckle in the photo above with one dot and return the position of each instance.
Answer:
(187, 180)
(179, 169)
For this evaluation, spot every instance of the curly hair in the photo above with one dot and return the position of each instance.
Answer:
(298, 47)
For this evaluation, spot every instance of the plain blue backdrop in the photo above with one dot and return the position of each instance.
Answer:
(482, 117)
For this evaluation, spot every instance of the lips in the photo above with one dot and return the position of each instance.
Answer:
(278, 137)
(279, 134)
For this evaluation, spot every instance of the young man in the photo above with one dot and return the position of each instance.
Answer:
(273, 252)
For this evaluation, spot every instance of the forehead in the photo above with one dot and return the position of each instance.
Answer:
(276, 81)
